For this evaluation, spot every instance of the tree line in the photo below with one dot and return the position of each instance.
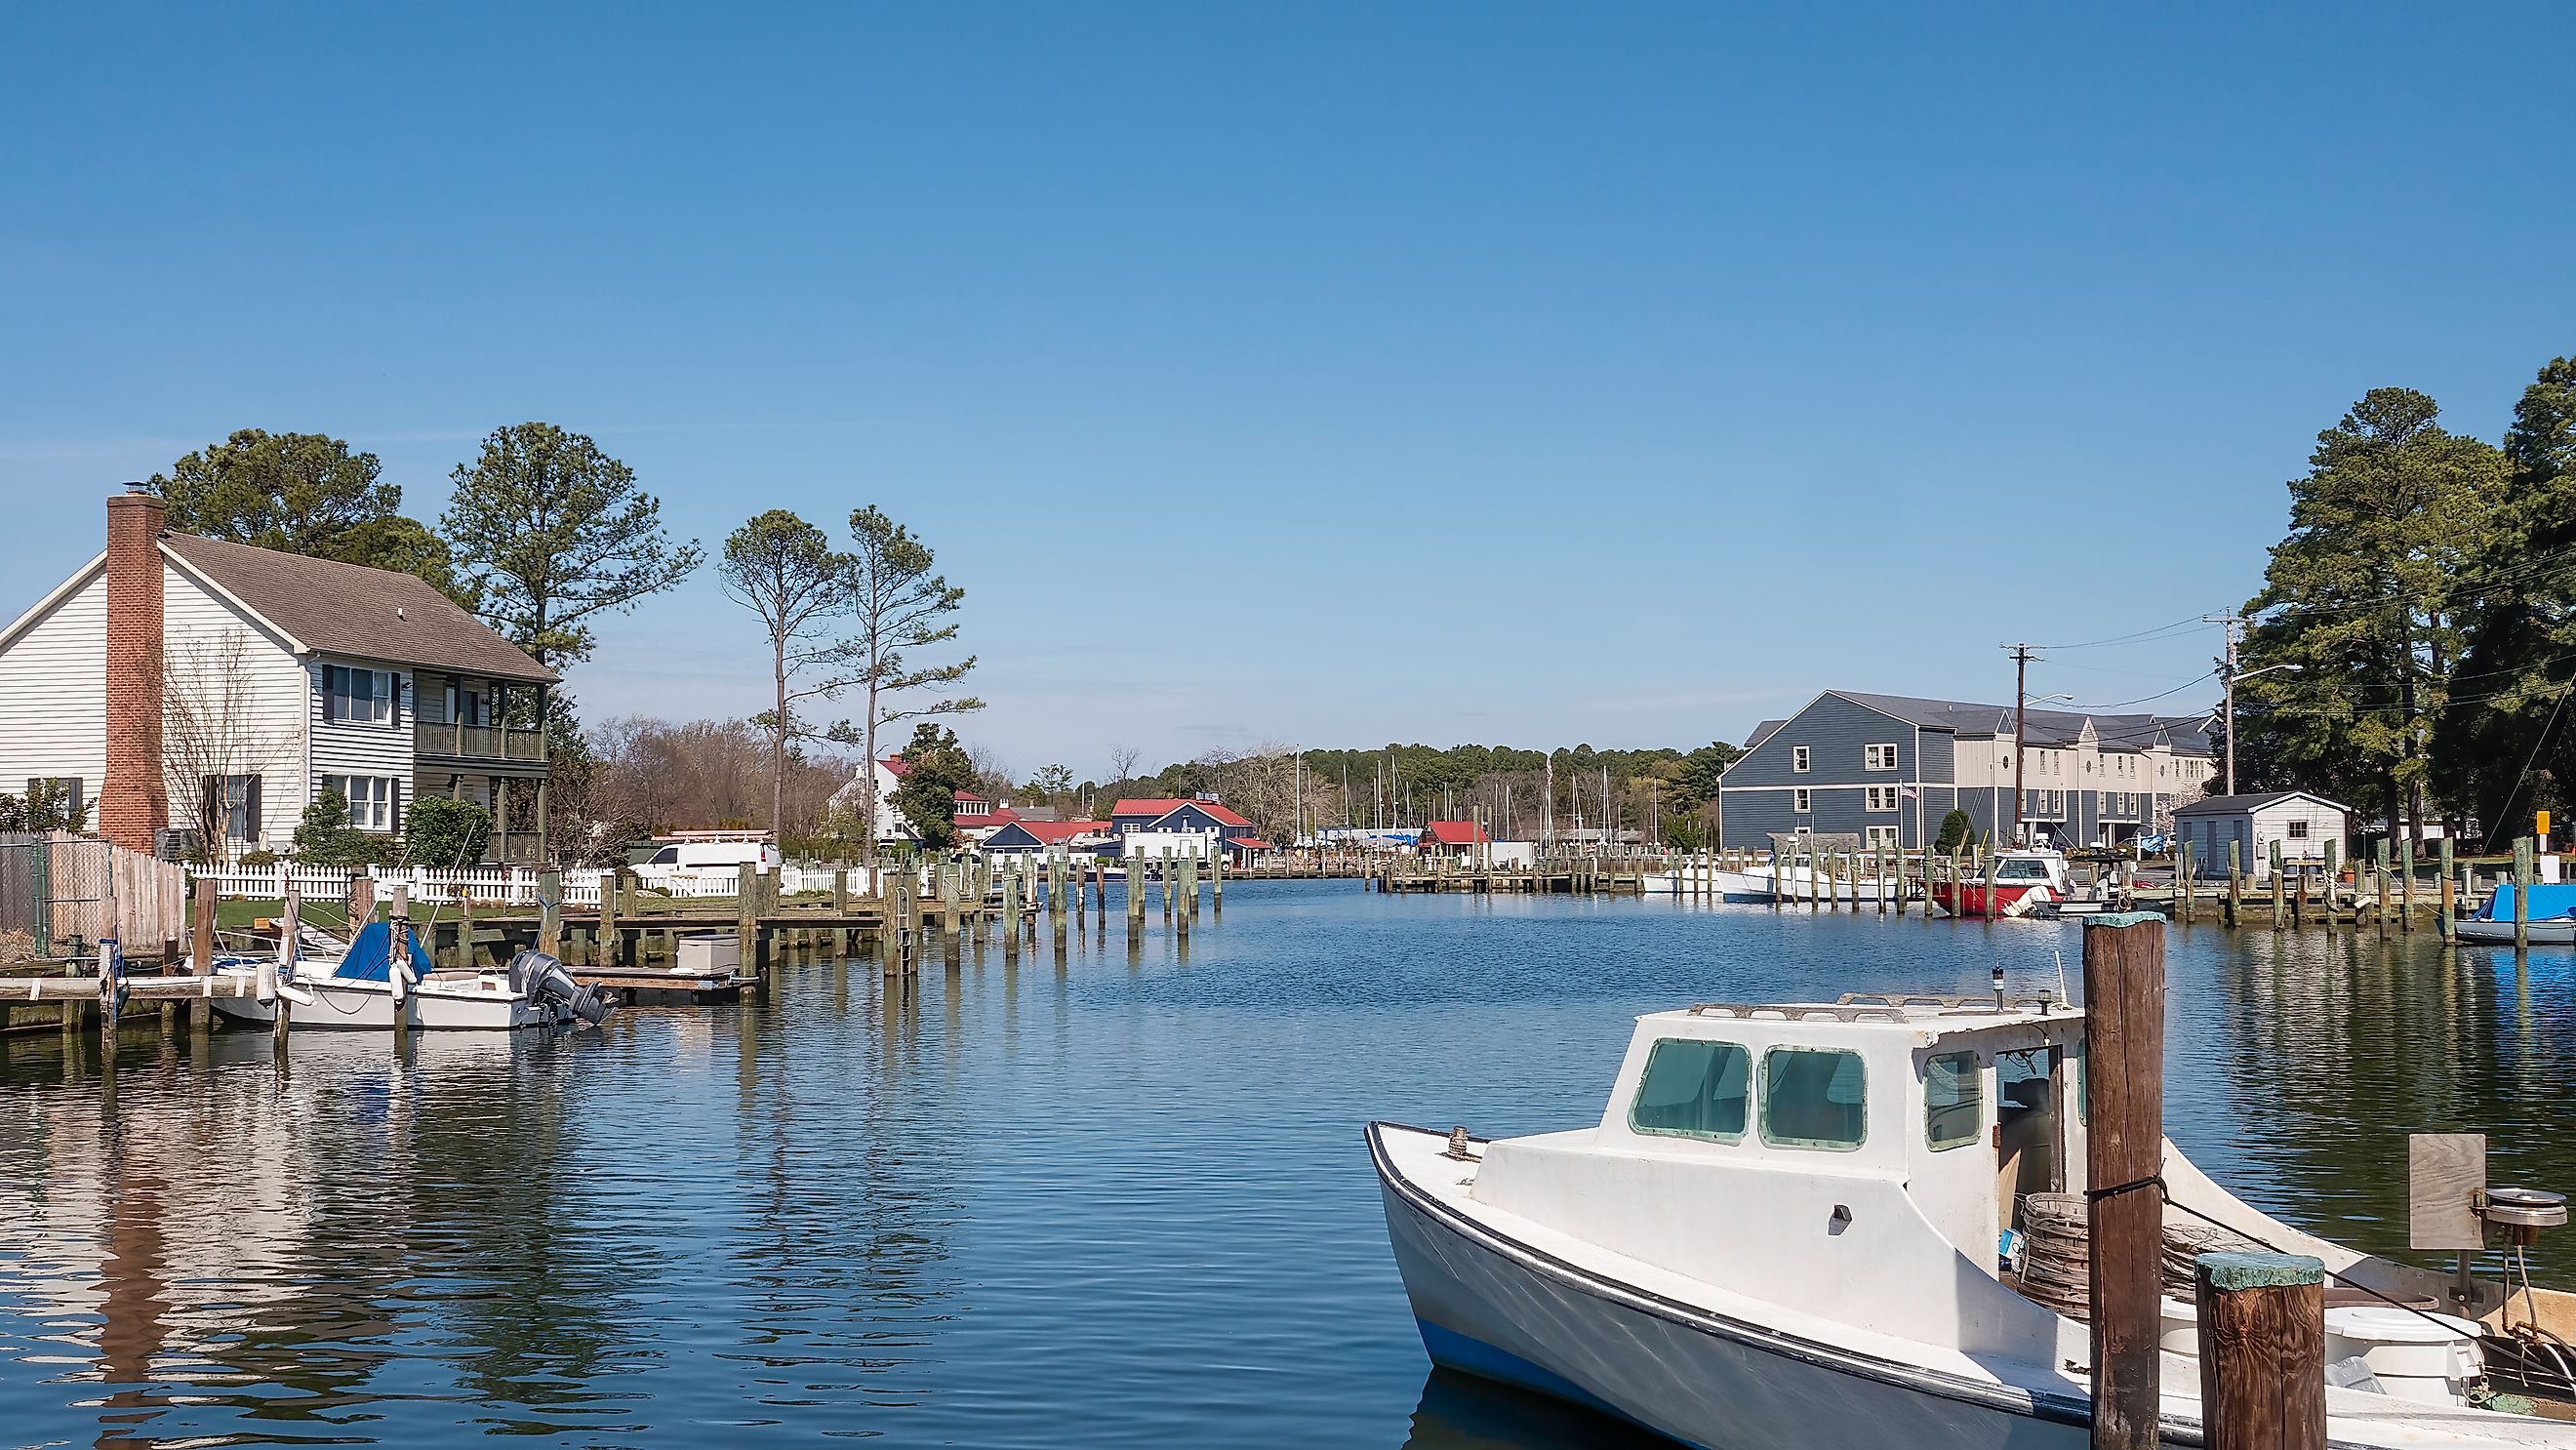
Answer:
(546, 534)
(2413, 646)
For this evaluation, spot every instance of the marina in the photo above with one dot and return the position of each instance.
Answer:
(859, 1250)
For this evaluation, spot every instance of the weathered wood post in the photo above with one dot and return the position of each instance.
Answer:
(612, 943)
(2521, 893)
(290, 940)
(841, 891)
(746, 917)
(1011, 907)
(2235, 881)
(201, 927)
(2332, 849)
(1216, 879)
(2182, 880)
(1135, 896)
(1188, 869)
(2262, 1351)
(550, 913)
(2124, 998)
(1994, 873)
(2442, 923)
(2406, 884)
(2274, 861)
(398, 961)
(362, 902)
(2379, 890)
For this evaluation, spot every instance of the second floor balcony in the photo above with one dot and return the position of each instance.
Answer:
(492, 743)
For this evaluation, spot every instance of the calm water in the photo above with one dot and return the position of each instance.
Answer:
(1120, 1201)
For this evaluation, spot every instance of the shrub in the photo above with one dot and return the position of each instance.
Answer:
(1955, 831)
(325, 838)
(446, 833)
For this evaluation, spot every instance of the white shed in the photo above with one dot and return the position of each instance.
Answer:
(2302, 823)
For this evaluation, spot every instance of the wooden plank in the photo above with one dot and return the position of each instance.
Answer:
(2444, 1172)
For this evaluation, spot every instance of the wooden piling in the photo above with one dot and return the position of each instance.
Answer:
(2521, 893)
(398, 961)
(2275, 863)
(2406, 884)
(201, 927)
(290, 941)
(550, 913)
(2182, 881)
(2262, 1351)
(746, 915)
(610, 949)
(2124, 995)
(2235, 882)
(2442, 923)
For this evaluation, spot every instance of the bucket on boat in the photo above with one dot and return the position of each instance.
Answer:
(2432, 1358)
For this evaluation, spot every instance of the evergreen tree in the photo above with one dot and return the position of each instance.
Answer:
(2365, 597)
(2506, 745)
(302, 493)
(935, 769)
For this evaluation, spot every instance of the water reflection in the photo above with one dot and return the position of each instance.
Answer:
(1108, 1196)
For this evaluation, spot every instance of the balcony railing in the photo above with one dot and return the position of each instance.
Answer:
(480, 742)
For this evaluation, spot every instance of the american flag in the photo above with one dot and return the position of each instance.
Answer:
(1905, 792)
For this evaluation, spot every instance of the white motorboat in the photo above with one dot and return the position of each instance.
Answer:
(1783, 1232)
(366, 987)
(1796, 879)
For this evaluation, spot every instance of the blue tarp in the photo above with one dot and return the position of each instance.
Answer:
(367, 958)
(2548, 903)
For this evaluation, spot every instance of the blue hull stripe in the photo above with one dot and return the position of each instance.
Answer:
(1452, 1350)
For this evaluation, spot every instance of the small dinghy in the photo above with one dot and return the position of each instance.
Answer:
(2551, 918)
(1784, 1232)
(368, 985)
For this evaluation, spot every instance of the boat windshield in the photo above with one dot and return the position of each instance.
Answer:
(2024, 869)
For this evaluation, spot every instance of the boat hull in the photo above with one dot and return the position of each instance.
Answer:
(1981, 900)
(1506, 1312)
(2557, 931)
(369, 1006)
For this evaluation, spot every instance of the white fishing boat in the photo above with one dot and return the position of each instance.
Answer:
(1790, 878)
(1784, 1232)
(366, 987)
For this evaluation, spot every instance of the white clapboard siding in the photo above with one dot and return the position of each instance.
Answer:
(53, 689)
(204, 637)
(346, 747)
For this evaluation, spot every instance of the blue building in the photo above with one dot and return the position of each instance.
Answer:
(1887, 768)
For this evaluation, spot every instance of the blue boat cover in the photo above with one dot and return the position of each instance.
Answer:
(2548, 903)
(367, 960)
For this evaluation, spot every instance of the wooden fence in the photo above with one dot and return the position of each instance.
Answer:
(66, 892)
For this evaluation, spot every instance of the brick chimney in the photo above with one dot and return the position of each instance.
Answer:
(133, 802)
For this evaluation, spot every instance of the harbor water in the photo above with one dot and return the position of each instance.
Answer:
(1117, 1199)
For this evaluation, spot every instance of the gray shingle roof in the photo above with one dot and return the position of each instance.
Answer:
(350, 609)
(2185, 733)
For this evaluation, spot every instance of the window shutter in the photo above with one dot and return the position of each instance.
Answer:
(393, 815)
(250, 794)
(399, 680)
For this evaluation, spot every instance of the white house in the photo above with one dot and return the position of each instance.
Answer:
(174, 680)
(2301, 822)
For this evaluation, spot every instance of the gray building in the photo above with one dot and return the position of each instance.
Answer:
(1888, 768)
(2302, 823)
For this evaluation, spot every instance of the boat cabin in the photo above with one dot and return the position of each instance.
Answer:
(1972, 1106)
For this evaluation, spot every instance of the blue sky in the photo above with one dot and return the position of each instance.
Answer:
(1471, 372)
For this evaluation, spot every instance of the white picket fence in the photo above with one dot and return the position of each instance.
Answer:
(492, 885)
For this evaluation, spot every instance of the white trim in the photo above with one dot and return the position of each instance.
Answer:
(60, 593)
(206, 582)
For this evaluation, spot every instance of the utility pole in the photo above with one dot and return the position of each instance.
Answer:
(2021, 654)
(2234, 623)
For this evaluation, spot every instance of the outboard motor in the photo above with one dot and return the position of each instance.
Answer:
(541, 978)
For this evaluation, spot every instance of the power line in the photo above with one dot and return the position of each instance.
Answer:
(2142, 636)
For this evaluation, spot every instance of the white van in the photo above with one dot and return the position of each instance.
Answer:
(714, 856)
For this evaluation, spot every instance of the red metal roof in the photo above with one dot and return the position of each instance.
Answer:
(1161, 808)
(1456, 833)
(896, 765)
(1251, 843)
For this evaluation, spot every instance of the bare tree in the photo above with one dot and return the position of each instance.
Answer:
(785, 570)
(896, 605)
(213, 733)
(1122, 762)
(992, 772)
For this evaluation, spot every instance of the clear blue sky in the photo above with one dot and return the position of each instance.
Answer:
(1485, 371)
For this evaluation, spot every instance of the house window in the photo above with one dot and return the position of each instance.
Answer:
(1814, 1098)
(1694, 1090)
(371, 800)
(1802, 800)
(1877, 836)
(1878, 797)
(1798, 758)
(232, 804)
(63, 790)
(364, 697)
(2298, 830)
(1878, 757)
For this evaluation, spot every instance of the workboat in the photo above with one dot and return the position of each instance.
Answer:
(1821, 1225)
(2017, 883)
(369, 985)
(2550, 920)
